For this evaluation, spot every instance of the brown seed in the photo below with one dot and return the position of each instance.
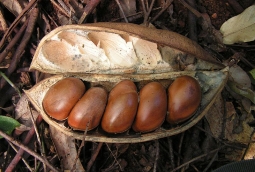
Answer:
(152, 108)
(62, 96)
(121, 108)
(184, 97)
(88, 110)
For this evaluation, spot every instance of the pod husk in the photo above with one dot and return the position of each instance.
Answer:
(212, 77)
(212, 83)
(178, 44)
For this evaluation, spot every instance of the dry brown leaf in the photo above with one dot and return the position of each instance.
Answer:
(215, 117)
(13, 6)
(23, 112)
(239, 28)
(237, 130)
(250, 153)
(66, 150)
(239, 76)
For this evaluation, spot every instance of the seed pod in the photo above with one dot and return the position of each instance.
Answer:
(121, 108)
(184, 97)
(89, 109)
(62, 96)
(152, 108)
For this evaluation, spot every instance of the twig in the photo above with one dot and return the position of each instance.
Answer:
(192, 144)
(93, 158)
(25, 148)
(195, 12)
(65, 12)
(90, 6)
(165, 6)
(197, 158)
(236, 6)
(180, 148)
(13, 41)
(16, 21)
(192, 21)
(82, 144)
(18, 156)
(136, 15)
(147, 11)
(37, 134)
(121, 9)
(10, 82)
(212, 160)
(170, 144)
(21, 47)
(65, 7)
(25, 162)
(157, 155)
(114, 157)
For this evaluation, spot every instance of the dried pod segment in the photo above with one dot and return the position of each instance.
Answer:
(114, 48)
(184, 97)
(152, 108)
(89, 109)
(62, 96)
(121, 108)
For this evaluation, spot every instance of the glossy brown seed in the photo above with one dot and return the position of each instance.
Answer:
(152, 108)
(184, 97)
(62, 96)
(121, 108)
(88, 110)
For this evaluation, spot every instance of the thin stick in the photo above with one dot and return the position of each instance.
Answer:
(93, 158)
(25, 148)
(82, 144)
(212, 160)
(197, 158)
(34, 124)
(16, 21)
(170, 144)
(147, 11)
(25, 162)
(21, 47)
(165, 6)
(195, 12)
(121, 9)
(60, 9)
(18, 156)
(114, 157)
(180, 148)
(10, 82)
(37, 134)
(157, 155)
(91, 5)
(236, 6)
(13, 41)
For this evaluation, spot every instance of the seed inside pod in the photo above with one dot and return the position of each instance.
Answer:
(62, 96)
(152, 108)
(184, 97)
(121, 108)
(88, 110)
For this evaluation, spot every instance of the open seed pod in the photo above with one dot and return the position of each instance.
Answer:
(107, 53)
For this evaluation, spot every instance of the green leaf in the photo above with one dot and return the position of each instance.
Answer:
(8, 124)
(252, 72)
(239, 89)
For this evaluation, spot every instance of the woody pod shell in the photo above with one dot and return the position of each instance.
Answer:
(88, 56)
